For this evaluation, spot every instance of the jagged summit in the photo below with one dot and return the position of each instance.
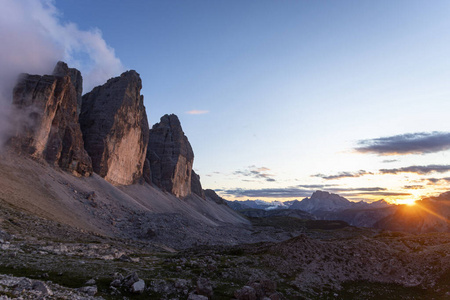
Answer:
(196, 185)
(105, 131)
(49, 129)
(115, 128)
(62, 69)
(322, 201)
(170, 157)
(109, 137)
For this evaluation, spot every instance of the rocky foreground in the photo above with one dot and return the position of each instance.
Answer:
(327, 261)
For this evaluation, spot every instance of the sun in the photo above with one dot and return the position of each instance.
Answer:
(409, 202)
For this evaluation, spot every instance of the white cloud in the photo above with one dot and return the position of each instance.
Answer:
(197, 112)
(34, 38)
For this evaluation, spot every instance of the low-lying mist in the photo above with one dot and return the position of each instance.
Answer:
(33, 39)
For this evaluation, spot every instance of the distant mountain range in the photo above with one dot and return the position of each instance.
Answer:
(319, 202)
(326, 202)
(258, 204)
(428, 215)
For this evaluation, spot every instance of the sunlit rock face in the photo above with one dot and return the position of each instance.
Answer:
(115, 128)
(48, 119)
(170, 156)
(61, 69)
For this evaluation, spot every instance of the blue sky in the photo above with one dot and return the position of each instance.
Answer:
(290, 88)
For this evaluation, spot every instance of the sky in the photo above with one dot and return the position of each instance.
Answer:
(277, 98)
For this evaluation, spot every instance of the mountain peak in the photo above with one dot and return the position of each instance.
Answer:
(322, 201)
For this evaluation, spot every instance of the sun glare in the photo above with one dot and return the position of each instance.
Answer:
(409, 202)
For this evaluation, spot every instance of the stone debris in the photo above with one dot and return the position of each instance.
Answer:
(204, 287)
(197, 297)
(90, 290)
(24, 288)
(138, 287)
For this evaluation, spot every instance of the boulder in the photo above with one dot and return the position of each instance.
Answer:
(170, 156)
(246, 293)
(196, 297)
(115, 128)
(90, 282)
(89, 290)
(130, 279)
(204, 287)
(48, 119)
(138, 287)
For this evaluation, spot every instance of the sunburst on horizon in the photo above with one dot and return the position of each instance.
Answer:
(409, 201)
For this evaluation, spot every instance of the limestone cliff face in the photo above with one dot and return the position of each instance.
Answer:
(61, 69)
(170, 157)
(196, 185)
(115, 128)
(211, 195)
(47, 108)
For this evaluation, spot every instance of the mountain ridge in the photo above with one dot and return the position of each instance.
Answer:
(423, 217)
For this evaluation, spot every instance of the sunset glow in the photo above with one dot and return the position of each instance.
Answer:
(409, 202)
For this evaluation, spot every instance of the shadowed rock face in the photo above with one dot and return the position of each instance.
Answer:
(214, 197)
(47, 108)
(115, 128)
(170, 156)
(196, 186)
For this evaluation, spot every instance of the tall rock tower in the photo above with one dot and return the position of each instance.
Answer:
(170, 157)
(49, 128)
(115, 128)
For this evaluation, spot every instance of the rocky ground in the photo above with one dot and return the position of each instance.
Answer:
(327, 260)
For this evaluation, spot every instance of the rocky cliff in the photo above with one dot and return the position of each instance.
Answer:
(211, 194)
(115, 128)
(105, 131)
(49, 128)
(61, 69)
(170, 157)
(196, 185)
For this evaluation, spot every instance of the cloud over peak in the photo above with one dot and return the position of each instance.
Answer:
(34, 39)
(409, 143)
